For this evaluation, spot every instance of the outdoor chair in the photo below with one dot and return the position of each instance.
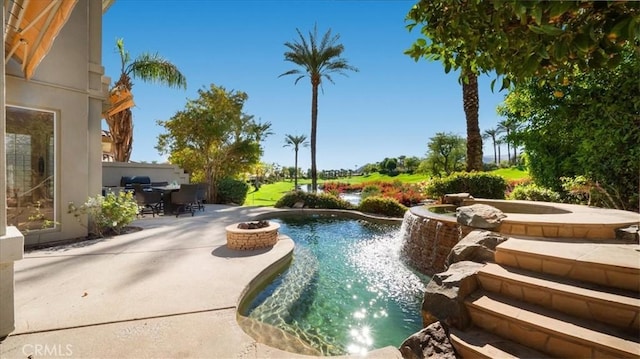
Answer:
(202, 194)
(185, 199)
(148, 201)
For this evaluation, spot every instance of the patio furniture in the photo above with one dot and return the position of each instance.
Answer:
(129, 181)
(202, 194)
(148, 201)
(185, 199)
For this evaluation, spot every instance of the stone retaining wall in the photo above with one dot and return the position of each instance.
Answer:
(428, 241)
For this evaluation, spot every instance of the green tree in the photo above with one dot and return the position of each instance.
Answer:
(148, 68)
(587, 126)
(261, 130)
(389, 166)
(295, 142)
(492, 133)
(519, 40)
(411, 164)
(509, 127)
(211, 138)
(446, 153)
(317, 59)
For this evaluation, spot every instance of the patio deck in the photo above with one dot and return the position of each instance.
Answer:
(170, 290)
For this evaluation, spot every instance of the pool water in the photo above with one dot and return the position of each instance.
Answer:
(346, 291)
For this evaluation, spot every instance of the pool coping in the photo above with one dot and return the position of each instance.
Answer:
(561, 220)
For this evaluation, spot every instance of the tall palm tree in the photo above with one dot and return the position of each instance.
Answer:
(260, 131)
(296, 142)
(507, 128)
(316, 60)
(146, 67)
(492, 133)
(471, 103)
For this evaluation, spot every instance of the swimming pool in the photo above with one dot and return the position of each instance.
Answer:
(346, 290)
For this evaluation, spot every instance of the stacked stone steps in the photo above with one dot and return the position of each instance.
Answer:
(476, 343)
(619, 308)
(567, 300)
(551, 332)
(606, 264)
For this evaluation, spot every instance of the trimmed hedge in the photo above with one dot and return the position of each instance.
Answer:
(231, 190)
(382, 205)
(312, 200)
(533, 192)
(478, 184)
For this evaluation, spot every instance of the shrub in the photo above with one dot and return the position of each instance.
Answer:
(533, 192)
(111, 213)
(231, 190)
(489, 166)
(478, 184)
(406, 193)
(382, 205)
(370, 191)
(312, 200)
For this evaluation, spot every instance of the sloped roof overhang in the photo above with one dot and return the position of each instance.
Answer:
(31, 28)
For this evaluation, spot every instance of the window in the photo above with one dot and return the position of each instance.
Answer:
(30, 149)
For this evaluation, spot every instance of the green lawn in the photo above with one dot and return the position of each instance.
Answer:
(268, 194)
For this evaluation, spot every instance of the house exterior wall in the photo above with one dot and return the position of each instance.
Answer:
(70, 82)
(113, 171)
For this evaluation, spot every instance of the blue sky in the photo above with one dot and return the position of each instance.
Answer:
(391, 107)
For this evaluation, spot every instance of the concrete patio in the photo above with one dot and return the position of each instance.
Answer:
(170, 290)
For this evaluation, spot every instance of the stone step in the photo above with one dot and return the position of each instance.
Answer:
(609, 264)
(479, 344)
(615, 307)
(551, 332)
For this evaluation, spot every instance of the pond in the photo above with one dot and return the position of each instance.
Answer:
(346, 291)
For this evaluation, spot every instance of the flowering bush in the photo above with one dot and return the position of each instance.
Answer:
(110, 213)
(405, 193)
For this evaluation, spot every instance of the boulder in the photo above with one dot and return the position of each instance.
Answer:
(431, 342)
(299, 204)
(456, 199)
(445, 294)
(479, 216)
(478, 246)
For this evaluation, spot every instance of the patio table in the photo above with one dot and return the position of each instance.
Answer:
(166, 197)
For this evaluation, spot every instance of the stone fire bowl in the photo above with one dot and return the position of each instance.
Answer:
(250, 239)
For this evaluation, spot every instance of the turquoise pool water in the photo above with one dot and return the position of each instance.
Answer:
(346, 291)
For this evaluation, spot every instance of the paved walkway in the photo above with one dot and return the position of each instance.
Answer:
(170, 291)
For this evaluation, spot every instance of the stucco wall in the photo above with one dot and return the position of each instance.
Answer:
(69, 82)
(113, 171)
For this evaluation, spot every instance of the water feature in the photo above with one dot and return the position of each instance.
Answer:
(351, 197)
(346, 291)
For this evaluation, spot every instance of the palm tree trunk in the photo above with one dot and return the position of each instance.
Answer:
(295, 174)
(121, 126)
(495, 155)
(121, 130)
(515, 155)
(508, 148)
(471, 104)
(314, 127)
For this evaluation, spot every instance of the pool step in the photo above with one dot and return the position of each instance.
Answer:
(619, 308)
(551, 332)
(608, 264)
(479, 344)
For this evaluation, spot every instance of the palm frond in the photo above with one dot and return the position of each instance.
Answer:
(156, 69)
